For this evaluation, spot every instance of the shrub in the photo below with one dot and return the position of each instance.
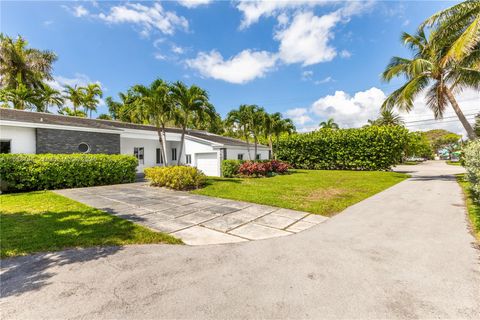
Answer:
(471, 160)
(262, 168)
(230, 168)
(176, 177)
(25, 172)
(370, 148)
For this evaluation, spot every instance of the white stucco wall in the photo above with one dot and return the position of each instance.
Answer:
(232, 153)
(22, 140)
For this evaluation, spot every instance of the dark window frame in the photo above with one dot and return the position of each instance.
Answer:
(174, 154)
(139, 153)
(188, 159)
(158, 156)
(258, 156)
(4, 141)
(240, 156)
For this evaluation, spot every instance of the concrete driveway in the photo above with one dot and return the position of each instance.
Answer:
(196, 219)
(403, 253)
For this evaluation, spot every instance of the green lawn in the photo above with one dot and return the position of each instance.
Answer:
(472, 208)
(454, 163)
(44, 221)
(318, 191)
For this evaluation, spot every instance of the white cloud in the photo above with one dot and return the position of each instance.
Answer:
(345, 54)
(177, 49)
(253, 10)
(193, 3)
(147, 17)
(349, 111)
(307, 75)
(243, 67)
(298, 115)
(79, 11)
(324, 80)
(306, 39)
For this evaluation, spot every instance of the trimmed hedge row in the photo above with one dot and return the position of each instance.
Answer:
(471, 160)
(25, 172)
(176, 177)
(370, 148)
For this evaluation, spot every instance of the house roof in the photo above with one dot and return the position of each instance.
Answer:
(55, 119)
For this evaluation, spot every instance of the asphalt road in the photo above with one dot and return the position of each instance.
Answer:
(403, 253)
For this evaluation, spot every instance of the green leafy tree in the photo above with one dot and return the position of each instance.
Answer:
(125, 110)
(275, 125)
(442, 139)
(21, 98)
(104, 116)
(156, 103)
(20, 65)
(238, 120)
(427, 70)
(418, 146)
(477, 125)
(329, 124)
(189, 102)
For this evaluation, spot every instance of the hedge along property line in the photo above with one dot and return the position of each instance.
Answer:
(26, 172)
(370, 148)
(471, 160)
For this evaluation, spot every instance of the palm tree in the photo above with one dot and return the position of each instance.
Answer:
(429, 71)
(22, 65)
(459, 28)
(239, 121)
(189, 102)
(477, 125)
(275, 125)
(256, 117)
(76, 95)
(49, 97)
(156, 103)
(92, 93)
(389, 118)
(21, 97)
(329, 124)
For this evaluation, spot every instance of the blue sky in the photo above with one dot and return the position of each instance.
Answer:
(308, 60)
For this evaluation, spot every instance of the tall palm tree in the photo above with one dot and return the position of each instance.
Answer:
(389, 118)
(275, 125)
(92, 93)
(156, 103)
(459, 28)
(22, 65)
(256, 117)
(189, 102)
(76, 95)
(239, 121)
(329, 124)
(427, 70)
(125, 110)
(49, 97)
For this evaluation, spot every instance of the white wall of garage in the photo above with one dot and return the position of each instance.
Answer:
(232, 153)
(22, 140)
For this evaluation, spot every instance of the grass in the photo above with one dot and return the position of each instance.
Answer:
(44, 221)
(472, 208)
(316, 191)
(454, 163)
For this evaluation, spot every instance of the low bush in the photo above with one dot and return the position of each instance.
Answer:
(176, 177)
(471, 161)
(370, 148)
(26, 172)
(230, 168)
(262, 168)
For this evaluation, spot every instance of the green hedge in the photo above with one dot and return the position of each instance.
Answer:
(176, 177)
(471, 161)
(370, 148)
(25, 172)
(230, 168)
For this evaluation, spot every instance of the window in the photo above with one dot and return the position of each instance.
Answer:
(159, 156)
(139, 154)
(258, 157)
(174, 154)
(240, 156)
(5, 146)
(83, 147)
(188, 159)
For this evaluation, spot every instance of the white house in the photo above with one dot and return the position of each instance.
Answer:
(37, 132)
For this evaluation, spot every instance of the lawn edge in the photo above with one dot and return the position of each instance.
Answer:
(470, 206)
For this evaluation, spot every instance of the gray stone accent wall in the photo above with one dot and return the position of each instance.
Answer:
(67, 141)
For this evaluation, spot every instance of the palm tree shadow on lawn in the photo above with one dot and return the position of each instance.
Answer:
(27, 273)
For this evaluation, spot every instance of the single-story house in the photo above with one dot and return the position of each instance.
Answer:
(37, 132)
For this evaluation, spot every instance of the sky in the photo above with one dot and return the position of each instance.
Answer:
(309, 60)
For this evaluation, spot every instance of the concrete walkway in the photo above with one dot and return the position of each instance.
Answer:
(196, 219)
(404, 253)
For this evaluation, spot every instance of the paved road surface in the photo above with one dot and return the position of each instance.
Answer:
(403, 253)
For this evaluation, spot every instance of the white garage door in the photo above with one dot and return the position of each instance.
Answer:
(208, 163)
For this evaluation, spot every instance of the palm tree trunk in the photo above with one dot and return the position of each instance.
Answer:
(256, 146)
(164, 146)
(468, 127)
(270, 144)
(160, 139)
(248, 147)
(182, 141)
